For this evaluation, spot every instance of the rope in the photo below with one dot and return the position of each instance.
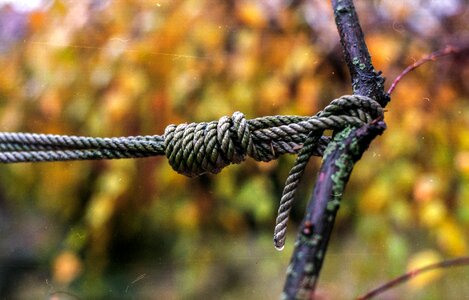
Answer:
(354, 110)
(207, 147)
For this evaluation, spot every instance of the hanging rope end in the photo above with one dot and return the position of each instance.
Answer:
(279, 238)
(279, 244)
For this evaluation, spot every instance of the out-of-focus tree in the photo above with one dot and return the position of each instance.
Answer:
(134, 228)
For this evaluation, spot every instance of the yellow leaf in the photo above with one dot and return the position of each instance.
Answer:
(187, 216)
(251, 14)
(451, 238)
(462, 162)
(67, 267)
(36, 20)
(432, 213)
(410, 92)
(375, 197)
(101, 209)
(383, 56)
(426, 188)
(307, 96)
(420, 260)
(273, 94)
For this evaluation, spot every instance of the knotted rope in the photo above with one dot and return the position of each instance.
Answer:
(197, 148)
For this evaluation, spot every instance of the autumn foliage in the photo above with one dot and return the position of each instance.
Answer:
(135, 228)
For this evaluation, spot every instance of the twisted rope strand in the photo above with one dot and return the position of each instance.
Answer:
(32, 142)
(197, 148)
(288, 193)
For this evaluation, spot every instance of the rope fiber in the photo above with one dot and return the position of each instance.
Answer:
(207, 147)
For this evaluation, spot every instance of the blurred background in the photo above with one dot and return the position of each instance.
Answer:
(135, 229)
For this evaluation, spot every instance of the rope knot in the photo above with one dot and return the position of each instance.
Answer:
(197, 148)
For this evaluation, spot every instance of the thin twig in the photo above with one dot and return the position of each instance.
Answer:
(456, 262)
(431, 57)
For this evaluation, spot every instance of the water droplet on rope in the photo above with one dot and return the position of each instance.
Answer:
(279, 248)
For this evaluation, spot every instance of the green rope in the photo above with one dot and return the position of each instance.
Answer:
(207, 147)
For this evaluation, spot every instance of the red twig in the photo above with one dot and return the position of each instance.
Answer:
(432, 57)
(456, 262)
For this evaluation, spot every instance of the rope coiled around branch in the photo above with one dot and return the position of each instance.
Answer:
(207, 147)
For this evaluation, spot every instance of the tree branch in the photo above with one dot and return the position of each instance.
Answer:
(313, 237)
(366, 80)
(338, 161)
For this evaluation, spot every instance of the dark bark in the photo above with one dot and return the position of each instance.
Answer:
(365, 79)
(347, 148)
